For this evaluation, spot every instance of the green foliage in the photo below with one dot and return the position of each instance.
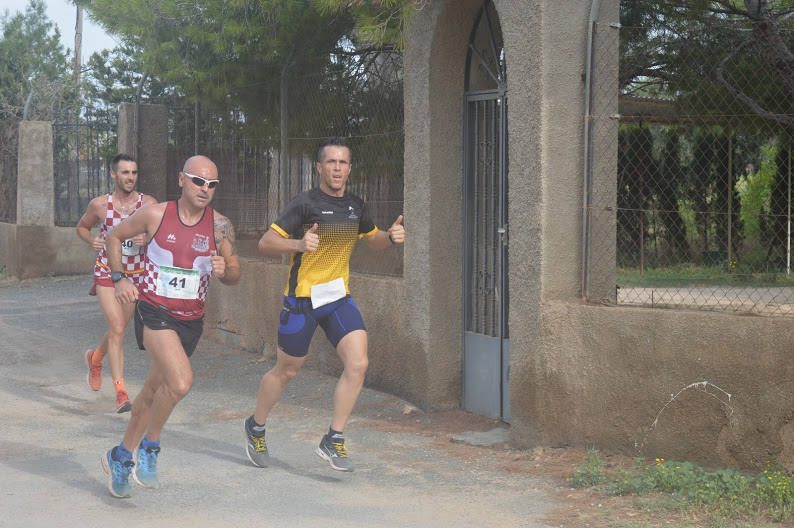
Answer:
(632, 481)
(225, 54)
(725, 493)
(590, 472)
(677, 50)
(755, 192)
(33, 64)
(379, 23)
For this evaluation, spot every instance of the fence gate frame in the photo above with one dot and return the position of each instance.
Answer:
(486, 345)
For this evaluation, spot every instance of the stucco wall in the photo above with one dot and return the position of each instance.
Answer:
(606, 374)
(35, 251)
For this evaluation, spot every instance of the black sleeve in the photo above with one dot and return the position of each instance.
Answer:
(291, 219)
(365, 224)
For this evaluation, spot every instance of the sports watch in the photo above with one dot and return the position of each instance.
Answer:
(116, 276)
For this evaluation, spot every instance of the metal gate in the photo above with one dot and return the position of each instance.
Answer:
(486, 345)
(82, 150)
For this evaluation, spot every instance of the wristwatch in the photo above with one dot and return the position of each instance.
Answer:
(116, 276)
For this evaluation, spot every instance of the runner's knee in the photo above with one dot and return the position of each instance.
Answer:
(357, 365)
(180, 387)
(285, 373)
(116, 329)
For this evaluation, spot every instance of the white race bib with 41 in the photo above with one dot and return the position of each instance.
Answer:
(177, 283)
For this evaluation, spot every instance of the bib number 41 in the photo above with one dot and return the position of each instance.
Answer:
(177, 283)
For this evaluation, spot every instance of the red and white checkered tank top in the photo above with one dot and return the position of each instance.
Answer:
(177, 266)
(131, 255)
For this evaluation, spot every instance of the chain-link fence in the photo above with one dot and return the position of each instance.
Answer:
(356, 96)
(82, 150)
(700, 206)
(247, 163)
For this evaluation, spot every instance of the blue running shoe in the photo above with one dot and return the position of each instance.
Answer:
(118, 475)
(145, 470)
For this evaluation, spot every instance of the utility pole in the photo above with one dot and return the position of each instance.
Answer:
(78, 49)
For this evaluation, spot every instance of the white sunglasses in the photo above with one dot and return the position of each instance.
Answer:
(198, 181)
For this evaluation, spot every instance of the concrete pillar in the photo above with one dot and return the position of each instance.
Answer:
(604, 156)
(434, 65)
(35, 175)
(149, 145)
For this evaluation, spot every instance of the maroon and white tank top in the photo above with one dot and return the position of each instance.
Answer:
(177, 266)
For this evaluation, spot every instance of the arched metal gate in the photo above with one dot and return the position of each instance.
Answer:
(486, 357)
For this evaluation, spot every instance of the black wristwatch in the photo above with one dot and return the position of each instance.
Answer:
(116, 276)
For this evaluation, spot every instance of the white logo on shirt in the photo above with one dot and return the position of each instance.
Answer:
(327, 212)
(171, 238)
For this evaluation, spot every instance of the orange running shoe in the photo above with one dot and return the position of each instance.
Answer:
(122, 402)
(94, 377)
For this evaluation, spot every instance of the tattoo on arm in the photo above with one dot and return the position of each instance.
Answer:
(224, 230)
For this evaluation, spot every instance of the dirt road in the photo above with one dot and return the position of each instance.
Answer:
(54, 429)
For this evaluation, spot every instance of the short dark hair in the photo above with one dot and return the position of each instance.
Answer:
(333, 142)
(114, 163)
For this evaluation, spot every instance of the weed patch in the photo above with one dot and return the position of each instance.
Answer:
(729, 496)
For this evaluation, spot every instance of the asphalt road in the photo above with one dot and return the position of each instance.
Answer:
(54, 430)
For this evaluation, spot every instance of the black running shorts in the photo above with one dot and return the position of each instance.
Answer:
(154, 318)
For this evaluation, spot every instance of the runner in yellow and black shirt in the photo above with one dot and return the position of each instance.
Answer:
(341, 221)
(320, 228)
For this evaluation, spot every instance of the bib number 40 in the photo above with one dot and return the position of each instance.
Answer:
(128, 248)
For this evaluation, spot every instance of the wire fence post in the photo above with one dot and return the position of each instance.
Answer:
(730, 196)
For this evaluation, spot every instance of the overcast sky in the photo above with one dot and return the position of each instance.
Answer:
(62, 12)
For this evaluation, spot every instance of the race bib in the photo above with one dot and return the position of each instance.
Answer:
(327, 292)
(177, 283)
(129, 249)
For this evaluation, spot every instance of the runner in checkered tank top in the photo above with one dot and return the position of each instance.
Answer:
(188, 242)
(132, 252)
(108, 211)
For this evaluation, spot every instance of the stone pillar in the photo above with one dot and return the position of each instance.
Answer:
(149, 145)
(35, 175)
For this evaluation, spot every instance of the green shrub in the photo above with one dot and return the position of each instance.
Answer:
(590, 472)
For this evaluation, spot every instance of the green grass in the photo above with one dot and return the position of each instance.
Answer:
(686, 275)
(730, 498)
(684, 524)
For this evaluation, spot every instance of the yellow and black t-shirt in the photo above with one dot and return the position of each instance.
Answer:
(341, 221)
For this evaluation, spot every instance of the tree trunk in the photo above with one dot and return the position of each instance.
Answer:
(771, 46)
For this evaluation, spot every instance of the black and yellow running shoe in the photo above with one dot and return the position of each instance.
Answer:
(332, 449)
(255, 445)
